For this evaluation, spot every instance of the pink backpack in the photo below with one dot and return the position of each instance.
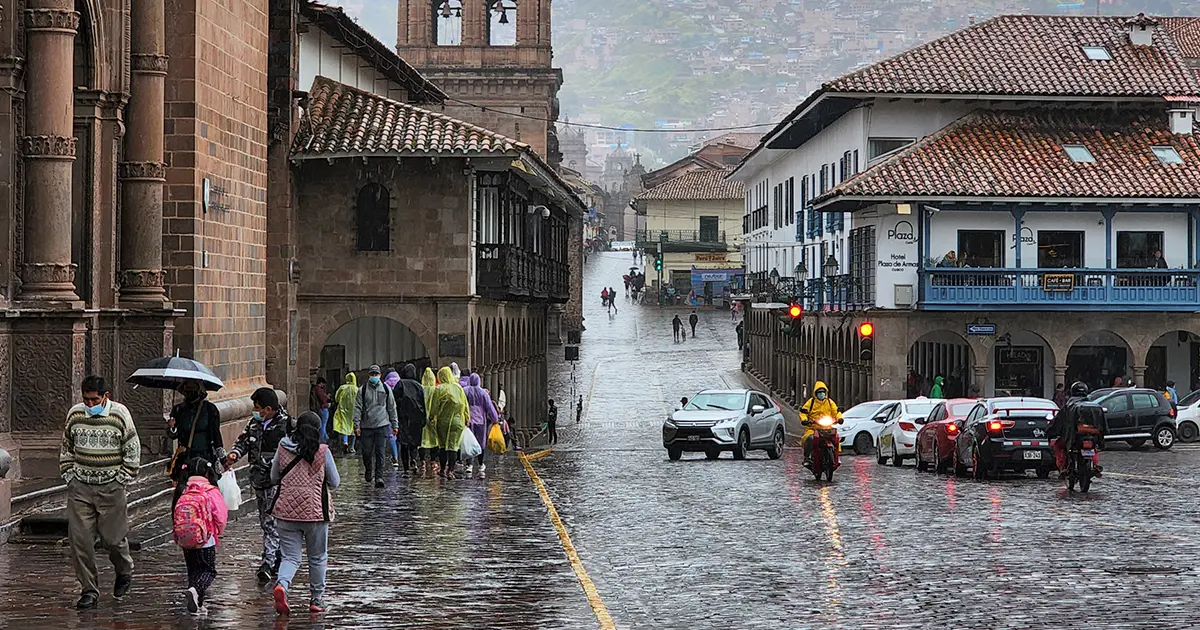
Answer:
(191, 519)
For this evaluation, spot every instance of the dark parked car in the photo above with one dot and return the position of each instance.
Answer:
(1006, 434)
(1136, 415)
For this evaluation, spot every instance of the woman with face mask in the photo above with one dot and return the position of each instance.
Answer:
(195, 425)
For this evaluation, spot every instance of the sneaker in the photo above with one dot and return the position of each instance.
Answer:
(482, 474)
(395, 464)
(121, 586)
(87, 600)
(281, 605)
(265, 574)
(193, 600)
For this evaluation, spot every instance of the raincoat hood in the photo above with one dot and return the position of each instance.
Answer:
(819, 387)
(391, 379)
(475, 382)
(446, 375)
(427, 379)
(409, 371)
(351, 379)
(939, 381)
(454, 369)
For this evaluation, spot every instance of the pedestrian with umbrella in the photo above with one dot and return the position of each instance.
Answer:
(195, 423)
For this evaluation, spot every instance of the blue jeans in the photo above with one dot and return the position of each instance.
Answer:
(295, 538)
(395, 448)
(324, 413)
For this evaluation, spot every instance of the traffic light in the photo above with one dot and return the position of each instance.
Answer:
(658, 264)
(866, 341)
(791, 319)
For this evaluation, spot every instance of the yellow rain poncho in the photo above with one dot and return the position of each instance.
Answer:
(448, 411)
(428, 436)
(343, 418)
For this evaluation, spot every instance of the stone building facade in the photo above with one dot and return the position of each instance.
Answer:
(112, 118)
(493, 59)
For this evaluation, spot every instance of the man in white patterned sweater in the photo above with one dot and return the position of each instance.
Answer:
(100, 454)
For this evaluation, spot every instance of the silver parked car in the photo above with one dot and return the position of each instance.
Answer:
(716, 420)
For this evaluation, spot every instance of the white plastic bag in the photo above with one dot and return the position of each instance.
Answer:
(470, 446)
(230, 490)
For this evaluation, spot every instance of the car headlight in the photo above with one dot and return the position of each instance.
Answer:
(722, 423)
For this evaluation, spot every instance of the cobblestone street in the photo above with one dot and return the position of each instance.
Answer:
(692, 544)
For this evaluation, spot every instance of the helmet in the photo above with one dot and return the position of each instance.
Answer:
(1079, 389)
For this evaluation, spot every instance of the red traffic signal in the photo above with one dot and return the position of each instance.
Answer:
(866, 329)
(795, 311)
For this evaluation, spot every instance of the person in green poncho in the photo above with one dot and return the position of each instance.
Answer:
(448, 413)
(936, 390)
(428, 450)
(343, 418)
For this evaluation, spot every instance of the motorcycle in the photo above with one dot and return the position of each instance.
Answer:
(824, 457)
(1080, 462)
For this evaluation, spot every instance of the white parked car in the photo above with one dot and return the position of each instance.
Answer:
(863, 423)
(898, 438)
(622, 246)
(1187, 421)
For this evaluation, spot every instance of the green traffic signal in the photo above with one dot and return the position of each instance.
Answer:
(658, 264)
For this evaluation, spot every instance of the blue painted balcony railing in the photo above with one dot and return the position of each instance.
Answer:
(1060, 289)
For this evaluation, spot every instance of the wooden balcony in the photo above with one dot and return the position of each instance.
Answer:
(507, 272)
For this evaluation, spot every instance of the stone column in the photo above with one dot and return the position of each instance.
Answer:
(49, 150)
(981, 374)
(1139, 375)
(1060, 375)
(475, 21)
(143, 172)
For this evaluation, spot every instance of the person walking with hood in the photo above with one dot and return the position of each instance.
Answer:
(936, 390)
(393, 443)
(483, 416)
(410, 408)
(257, 443)
(375, 420)
(693, 319)
(448, 412)
(429, 443)
(304, 470)
(677, 327)
(343, 416)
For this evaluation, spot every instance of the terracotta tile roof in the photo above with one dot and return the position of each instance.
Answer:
(1031, 55)
(344, 120)
(700, 185)
(989, 154)
(743, 140)
(1186, 33)
(334, 21)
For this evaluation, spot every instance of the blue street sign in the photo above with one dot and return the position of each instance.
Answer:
(981, 329)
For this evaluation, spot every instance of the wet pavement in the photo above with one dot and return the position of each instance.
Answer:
(694, 544)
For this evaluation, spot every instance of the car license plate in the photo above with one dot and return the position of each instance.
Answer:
(1033, 454)
(1089, 453)
(693, 438)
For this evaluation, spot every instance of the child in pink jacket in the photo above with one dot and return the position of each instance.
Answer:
(201, 491)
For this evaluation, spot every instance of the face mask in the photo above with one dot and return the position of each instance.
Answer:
(374, 380)
(257, 417)
(97, 410)
(820, 395)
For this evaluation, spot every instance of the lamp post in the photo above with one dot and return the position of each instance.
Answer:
(829, 271)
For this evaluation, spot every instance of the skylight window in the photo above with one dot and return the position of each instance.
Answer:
(1167, 155)
(1078, 153)
(1097, 53)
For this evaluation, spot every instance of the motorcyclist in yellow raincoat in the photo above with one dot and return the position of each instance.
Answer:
(816, 407)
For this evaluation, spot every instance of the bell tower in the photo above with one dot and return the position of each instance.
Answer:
(493, 59)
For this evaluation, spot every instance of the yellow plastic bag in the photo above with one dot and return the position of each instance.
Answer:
(495, 440)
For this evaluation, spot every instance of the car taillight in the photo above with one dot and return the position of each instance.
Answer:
(951, 428)
(908, 426)
(1172, 412)
(999, 425)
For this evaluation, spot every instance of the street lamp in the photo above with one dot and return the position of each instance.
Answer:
(830, 268)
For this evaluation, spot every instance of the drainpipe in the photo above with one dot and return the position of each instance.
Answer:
(1108, 245)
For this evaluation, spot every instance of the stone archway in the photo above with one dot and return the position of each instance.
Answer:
(1172, 357)
(324, 319)
(372, 340)
(942, 353)
(1098, 357)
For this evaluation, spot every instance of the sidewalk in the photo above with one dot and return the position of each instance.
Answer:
(419, 554)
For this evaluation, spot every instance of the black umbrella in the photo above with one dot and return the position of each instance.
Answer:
(170, 372)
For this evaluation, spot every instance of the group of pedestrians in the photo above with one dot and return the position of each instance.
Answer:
(680, 331)
(291, 469)
(608, 298)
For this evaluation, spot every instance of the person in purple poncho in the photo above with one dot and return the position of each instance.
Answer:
(483, 416)
(390, 380)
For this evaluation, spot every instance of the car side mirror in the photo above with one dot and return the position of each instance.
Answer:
(757, 409)
(918, 420)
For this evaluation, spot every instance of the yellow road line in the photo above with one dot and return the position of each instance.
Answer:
(589, 589)
(538, 455)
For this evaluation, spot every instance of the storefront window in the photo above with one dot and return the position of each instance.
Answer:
(1019, 371)
(1136, 249)
(980, 248)
(1060, 250)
